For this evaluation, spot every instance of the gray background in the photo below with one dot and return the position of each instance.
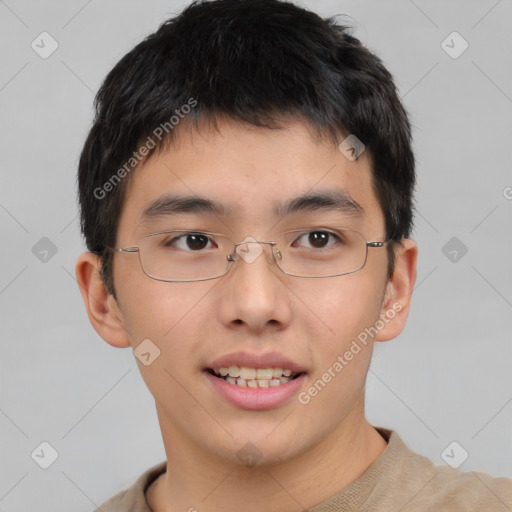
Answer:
(446, 378)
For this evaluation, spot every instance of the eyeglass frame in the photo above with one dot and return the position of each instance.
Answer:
(231, 257)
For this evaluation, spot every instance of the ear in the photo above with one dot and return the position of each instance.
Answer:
(103, 310)
(397, 299)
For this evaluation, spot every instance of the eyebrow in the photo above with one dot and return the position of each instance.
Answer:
(337, 200)
(169, 205)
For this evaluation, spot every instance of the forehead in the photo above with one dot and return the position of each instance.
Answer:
(249, 174)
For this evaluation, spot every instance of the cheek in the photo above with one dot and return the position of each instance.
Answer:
(172, 317)
(156, 309)
(338, 313)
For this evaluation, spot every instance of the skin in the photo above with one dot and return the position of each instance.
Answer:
(254, 307)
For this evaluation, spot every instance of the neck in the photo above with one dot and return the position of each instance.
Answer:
(200, 481)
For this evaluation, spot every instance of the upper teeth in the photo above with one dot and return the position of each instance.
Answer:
(245, 373)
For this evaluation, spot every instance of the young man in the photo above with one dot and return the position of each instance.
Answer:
(246, 198)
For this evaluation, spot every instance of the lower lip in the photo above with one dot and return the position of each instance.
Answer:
(256, 398)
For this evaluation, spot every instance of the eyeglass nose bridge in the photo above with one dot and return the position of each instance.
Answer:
(250, 250)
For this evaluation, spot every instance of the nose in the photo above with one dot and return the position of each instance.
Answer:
(253, 293)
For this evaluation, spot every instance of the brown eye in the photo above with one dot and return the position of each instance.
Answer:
(317, 239)
(189, 242)
(196, 242)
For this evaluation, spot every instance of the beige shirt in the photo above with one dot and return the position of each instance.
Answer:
(398, 480)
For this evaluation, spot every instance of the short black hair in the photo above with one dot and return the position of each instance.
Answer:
(260, 62)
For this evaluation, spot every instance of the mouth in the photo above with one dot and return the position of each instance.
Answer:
(247, 377)
(255, 381)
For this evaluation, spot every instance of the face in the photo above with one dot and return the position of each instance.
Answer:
(255, 316)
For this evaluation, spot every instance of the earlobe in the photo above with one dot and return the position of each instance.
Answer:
(397, 300)
(103, 310)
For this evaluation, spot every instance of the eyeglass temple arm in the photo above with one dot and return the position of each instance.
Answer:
(127, 249)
